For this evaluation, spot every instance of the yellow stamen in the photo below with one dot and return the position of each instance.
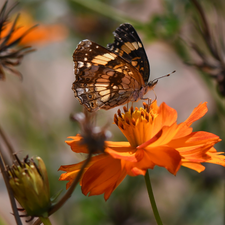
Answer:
(136, 124)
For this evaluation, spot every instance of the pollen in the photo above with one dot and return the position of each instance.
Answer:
(125, 109)
(138, 123)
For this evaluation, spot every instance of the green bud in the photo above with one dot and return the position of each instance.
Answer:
(30, 186)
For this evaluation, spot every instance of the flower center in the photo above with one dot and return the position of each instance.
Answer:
(137, 125)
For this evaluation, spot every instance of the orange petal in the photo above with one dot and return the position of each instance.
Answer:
(119, 144)
(125, 153)
(152, 140)
(73, 170)
(42, 34)
(107, 187)
(103, 177)
(70, 168)
(197, 154)
(165, 135)
(76, 145)
(197, 113)
(143, 163)
(216, 157)
(194, 166)
(182, 130)
(69, 176)
(166, 117)
(136, 171)
(162, 156)
(199, 138)
(168, 132)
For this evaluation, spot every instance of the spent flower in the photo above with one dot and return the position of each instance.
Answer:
(93, 137)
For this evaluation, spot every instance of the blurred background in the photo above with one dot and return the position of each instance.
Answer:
(34, 112)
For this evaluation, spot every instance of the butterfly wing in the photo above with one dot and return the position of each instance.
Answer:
(103, 79)
(128, 45)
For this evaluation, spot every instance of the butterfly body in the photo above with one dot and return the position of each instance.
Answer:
(109, 77)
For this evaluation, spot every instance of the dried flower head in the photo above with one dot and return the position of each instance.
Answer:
(30, 186)
(92, 137)
(10, 54)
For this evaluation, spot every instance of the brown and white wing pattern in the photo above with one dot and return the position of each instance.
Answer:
(102, 78)
(127, 44)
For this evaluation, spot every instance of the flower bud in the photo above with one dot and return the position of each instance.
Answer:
(30, 186)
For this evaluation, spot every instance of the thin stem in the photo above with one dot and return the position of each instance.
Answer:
(67, 195)
(7, 142)
(152, 199)
(70, 191)
(10, 193)
(106, 10)
(45, 221)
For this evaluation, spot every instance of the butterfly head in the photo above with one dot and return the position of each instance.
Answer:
(151, 84)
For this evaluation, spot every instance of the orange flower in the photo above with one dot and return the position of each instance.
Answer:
(21, 31)
(41, 34)
(154, 138)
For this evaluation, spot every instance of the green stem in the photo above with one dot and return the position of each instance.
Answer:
(63, 200)
(45, 220)
(152, 199)
(106, 10)
(7, 143)
(10, 192)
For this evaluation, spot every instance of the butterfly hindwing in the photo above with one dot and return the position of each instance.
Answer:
(128, 45)
(103, 79)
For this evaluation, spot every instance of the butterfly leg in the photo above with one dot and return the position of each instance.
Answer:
(155, 95)
(149, 100)
(132, 105)
(127, 105)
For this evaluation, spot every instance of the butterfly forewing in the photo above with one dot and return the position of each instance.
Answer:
(103, 79)
(128, 45)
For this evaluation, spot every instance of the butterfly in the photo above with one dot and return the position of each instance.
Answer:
(112, 76)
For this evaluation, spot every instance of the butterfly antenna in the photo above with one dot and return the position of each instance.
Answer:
(167, 75)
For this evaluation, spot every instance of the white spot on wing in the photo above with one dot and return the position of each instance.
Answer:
(110, 56)
(100, 88)
(105, 98)
(80, 64)
(135, 45)
(105, 92)
(88, 64)
(101, 85)
(139, 44)
(129, 45)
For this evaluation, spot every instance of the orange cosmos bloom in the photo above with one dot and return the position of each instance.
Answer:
(154, 138)
(41, 34)
(21, 31)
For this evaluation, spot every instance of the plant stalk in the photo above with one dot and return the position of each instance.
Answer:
(152, 199)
